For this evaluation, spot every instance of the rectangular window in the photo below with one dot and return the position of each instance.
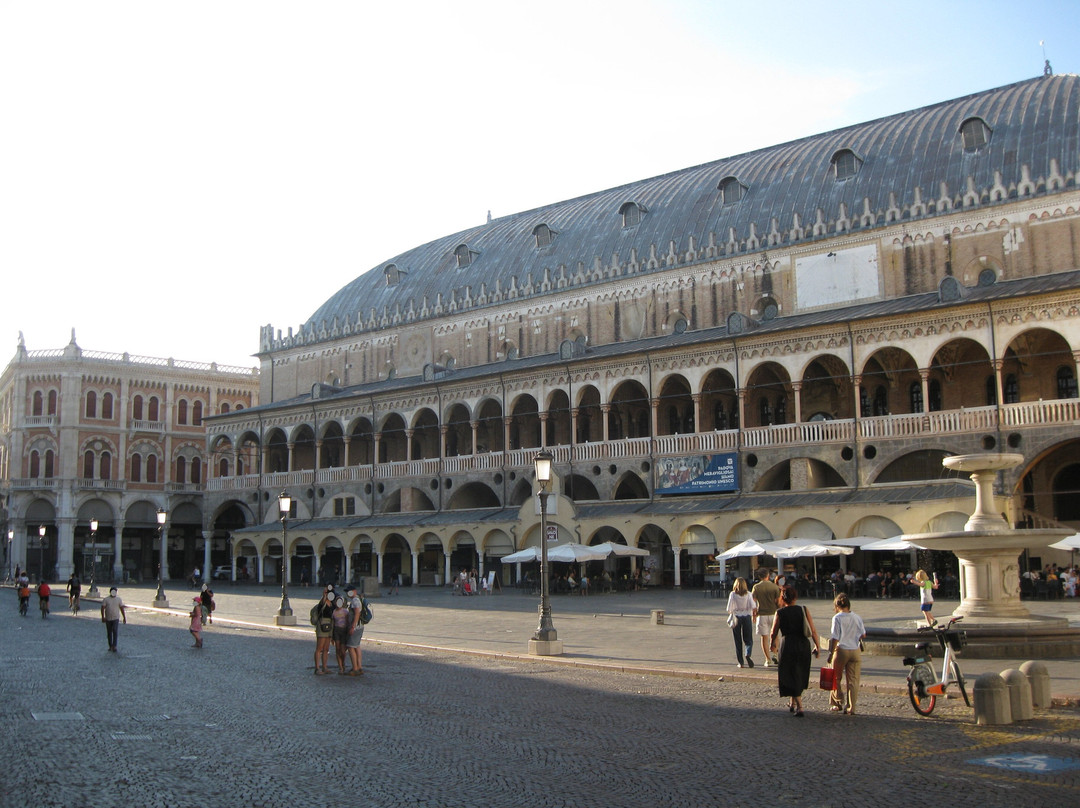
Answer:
(344, 506)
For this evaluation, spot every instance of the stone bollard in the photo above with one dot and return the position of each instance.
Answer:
(992, 700)
(1019, 694)
(1039, 679)
(656, 617)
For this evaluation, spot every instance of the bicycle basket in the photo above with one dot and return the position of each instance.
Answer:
(957, 639)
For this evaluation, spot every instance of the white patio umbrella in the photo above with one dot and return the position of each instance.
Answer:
(576, 553)
(742, 550)
(521, 556)
(616, 549)
(1068, 543)
(804, 548)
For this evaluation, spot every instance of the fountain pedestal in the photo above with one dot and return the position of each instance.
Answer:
(999, 625)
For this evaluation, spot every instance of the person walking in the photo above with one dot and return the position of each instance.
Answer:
(796, 629)
(926, 595)
(196, 621)
(112, 610)
(845, 655)
(741, 609)
(356, 630)
(767, 596)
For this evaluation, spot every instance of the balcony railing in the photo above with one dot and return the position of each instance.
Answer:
(41, 420)
(841, 431)
(147, 426)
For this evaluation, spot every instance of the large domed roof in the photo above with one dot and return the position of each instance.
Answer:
(908, 165)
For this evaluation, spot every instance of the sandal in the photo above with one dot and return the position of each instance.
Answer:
(356, 672)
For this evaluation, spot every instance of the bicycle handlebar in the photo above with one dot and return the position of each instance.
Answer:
(939, 628)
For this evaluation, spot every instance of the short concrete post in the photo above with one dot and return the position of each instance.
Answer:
(1039, 679)
(656, 617)
(992, 700)
(1019, 694)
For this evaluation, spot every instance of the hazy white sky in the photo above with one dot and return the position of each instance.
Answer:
(174, 175)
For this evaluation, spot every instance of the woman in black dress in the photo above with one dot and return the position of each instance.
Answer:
(792, 623)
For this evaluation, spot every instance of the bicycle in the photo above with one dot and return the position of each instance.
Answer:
(24, 605)
(924, 686)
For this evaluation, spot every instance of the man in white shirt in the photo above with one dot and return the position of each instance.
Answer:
(112, 609)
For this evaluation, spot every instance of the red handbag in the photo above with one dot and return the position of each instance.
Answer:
(827, 680)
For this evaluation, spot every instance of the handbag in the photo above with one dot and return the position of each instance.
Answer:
(827, 679)
(732, 620)
(806, 626)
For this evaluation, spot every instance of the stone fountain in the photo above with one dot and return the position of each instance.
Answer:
(999, 625)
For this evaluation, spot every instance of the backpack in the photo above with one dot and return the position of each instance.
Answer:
(313, 615)
(365, 612)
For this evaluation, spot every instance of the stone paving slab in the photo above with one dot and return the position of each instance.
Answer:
(609, 631)
(242, 722)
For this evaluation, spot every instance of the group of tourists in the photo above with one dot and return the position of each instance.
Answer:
(789, 637)
(339, 621)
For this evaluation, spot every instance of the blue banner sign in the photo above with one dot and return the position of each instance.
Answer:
(697, 474)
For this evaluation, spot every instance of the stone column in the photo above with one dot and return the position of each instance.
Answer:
(796, 388)
(475, 427)
(208, 543)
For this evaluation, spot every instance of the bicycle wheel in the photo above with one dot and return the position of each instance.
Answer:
(959, 677)
(919, 679)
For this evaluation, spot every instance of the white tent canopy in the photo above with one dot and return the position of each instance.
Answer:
(616, 549)
(742, 550)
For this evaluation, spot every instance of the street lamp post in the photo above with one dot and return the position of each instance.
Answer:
(545, 640)
(41, 553)
(10, 539)
(160, 601)
(285, 616)
(93, 593)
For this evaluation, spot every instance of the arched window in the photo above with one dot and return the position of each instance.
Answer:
(631, 214)
(544, 235)
(105, 466)
(106, 406)
(1012, 390)
(1066, 383)
(91, 404)
(136, 408)
(88, 466)
(152, 409)
(196, 470)
(731, 190)
(463, 255)
(36, 407)
(35, 464)
(52, 403)
(915, 391)
(151, 468)
(935, 395)
(223, 467)
(181, 469)
(196, 413)
(392, 274)
(50, 464)
(766, 412)
(845, 164)
(239, 467)
(881, 401)
(136, 468)
(181, 411)
(781, 410)
(974, 134)
(224, 408)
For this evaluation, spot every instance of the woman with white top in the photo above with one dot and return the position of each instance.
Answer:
(845, 655)
(742, 609)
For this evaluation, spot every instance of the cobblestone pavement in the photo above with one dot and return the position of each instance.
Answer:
(243, 722)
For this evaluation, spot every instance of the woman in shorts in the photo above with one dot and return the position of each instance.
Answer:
(322, 617)
(341, 632)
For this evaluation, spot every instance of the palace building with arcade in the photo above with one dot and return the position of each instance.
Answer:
(783, 343)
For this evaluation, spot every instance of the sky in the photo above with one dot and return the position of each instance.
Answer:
(176, 175)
